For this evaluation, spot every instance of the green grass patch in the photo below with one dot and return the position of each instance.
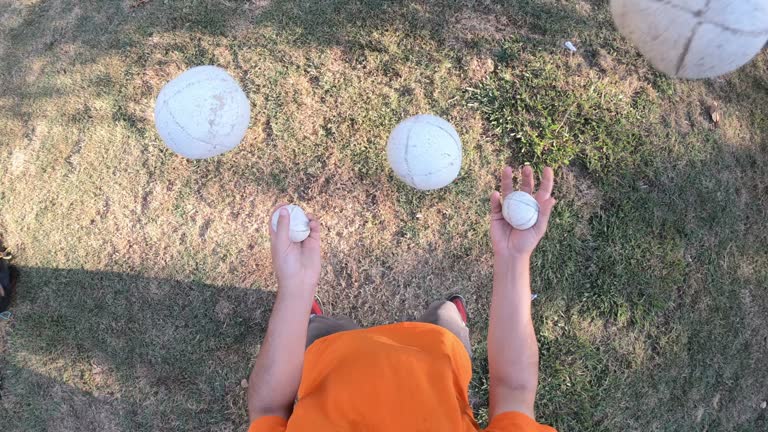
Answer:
(549, 114)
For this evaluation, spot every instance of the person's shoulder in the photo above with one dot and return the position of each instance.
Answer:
(513, 421)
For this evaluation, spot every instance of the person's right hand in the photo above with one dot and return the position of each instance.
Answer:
(507, 241)
(296, 265)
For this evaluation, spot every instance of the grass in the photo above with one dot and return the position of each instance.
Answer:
(552, 113)
(146, 281)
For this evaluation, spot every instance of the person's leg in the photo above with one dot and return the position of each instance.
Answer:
(445, 314)
(321, 326)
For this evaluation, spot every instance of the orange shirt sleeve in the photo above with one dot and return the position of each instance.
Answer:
(268, 424)
(516, 422)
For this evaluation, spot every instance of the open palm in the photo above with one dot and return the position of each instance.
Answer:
(508, 241)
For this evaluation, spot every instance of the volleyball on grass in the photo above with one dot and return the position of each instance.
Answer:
(694, 38)
(425, 152)
(202, 113)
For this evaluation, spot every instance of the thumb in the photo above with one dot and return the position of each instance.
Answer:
(545, 211)
(495, 205)
(283, 225)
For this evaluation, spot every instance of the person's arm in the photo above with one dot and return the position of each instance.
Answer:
(513, 353)
(276, 374)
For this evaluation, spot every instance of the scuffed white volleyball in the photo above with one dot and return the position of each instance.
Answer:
(694, 38)
(202, 113)
(424, 151)
(520, 209)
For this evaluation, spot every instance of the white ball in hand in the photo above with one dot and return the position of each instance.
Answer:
(299, 222)
(521, 210)
(202, 113)
(425, 152)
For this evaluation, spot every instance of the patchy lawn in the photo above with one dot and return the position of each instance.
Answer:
(146, 282)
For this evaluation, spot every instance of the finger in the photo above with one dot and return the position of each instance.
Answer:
(495, 205)
(272, 232)
(527, 183)
(545, 211)
(314, 229)
(313, 222)
(277, 207)
(547, 183)
(507, 187)
(283, 226)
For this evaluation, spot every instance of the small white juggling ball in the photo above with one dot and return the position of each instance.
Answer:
(202, 113)
(521, 210)
(694, 38)
(299, 222)
(425, 152)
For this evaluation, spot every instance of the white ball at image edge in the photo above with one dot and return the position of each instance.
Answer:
(714, 40)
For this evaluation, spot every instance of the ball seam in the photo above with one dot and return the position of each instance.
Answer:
(687, 48)
(170, 113)
(455, 141)
(697, 14)
(411, 178)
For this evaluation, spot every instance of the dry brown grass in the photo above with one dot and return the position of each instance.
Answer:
(165, 254)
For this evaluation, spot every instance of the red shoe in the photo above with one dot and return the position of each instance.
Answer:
(316, 309)
(460, 304)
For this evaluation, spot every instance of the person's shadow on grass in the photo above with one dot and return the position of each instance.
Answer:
(109, 351)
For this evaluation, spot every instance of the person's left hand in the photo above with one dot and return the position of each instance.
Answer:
(296, 265)
(509, 242)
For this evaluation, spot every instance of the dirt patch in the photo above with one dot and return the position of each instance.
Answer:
(306, 106)
(18, 160)
(250, 10)
(583, 196)
(102, 378)
(469, 27)
(583, 7)
(478, 68)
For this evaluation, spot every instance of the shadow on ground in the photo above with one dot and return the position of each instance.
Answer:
(135, 353)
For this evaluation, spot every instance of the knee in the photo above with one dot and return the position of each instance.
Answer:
(438, 305)
(447, 310)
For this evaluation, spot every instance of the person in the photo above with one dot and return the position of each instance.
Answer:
(321, 374)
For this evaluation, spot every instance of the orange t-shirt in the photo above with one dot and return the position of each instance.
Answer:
(399, 377)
